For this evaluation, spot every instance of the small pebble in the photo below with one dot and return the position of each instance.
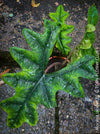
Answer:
(67, 116)
(95, 103)
(88, 99)
(11, 15)
(22, 130)
(56, 3)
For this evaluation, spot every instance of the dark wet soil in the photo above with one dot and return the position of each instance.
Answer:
(73, 115)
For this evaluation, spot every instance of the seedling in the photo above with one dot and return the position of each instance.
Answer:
(33, 85)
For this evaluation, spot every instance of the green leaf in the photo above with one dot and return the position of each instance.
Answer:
(20, 110)
(67, 79)
(63, 39)
(89, 36)
(59, 18)
(28, 81)
(60, 15)
(33, 88)
(93, 16)
(42, 44)
(86, 45)
(32, 85)
(90, 28)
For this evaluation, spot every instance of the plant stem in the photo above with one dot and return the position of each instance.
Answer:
(66, 60)
(53, 64)
(63, 63)
(6, 71)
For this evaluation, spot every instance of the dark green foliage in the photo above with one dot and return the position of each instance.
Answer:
(32, 85)
(93, 15)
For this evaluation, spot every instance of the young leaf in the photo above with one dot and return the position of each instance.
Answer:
(93, 16)
(85, 46)
(59, 17)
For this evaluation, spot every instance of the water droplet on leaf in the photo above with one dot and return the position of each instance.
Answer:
(47, 45)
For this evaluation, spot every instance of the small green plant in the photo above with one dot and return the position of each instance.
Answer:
(85, 46)
(33, 85)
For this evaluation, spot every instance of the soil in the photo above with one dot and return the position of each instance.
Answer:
(72, 115)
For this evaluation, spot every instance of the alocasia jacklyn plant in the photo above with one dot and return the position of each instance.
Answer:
(33, 86)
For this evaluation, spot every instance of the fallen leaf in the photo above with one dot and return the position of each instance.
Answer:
(17, 0)
(33, 4)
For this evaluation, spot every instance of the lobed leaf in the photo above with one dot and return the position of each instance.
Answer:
(28, 83)
(32, 85)
(59, 17)
(42, 45)
(20, 110)
(67, 79)
(22, 107)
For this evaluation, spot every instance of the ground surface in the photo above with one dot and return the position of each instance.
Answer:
(73, 115)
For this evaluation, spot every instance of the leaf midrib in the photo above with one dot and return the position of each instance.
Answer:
(44, 56)
(37, 83)
(28, 96)
(67, 71)
(60, 16)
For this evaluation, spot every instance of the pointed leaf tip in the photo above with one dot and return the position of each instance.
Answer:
(93, 16)
(60, 15)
